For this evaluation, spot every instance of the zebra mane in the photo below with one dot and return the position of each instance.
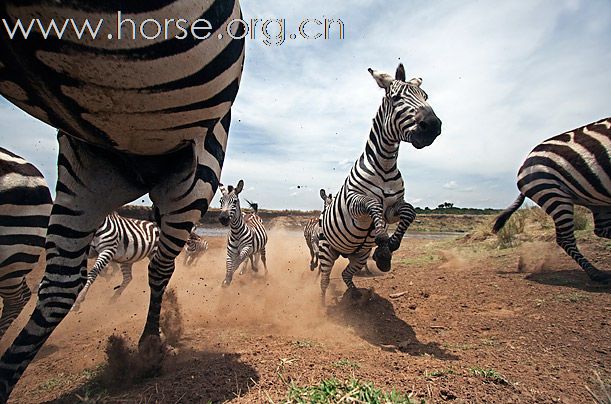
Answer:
(253, 205)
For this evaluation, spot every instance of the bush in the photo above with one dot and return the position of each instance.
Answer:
(581, 218)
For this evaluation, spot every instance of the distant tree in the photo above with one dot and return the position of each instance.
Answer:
(446, 205)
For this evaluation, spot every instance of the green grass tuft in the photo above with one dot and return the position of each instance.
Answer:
(335, 391)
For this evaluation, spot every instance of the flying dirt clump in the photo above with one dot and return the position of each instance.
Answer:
(170, 321)
(126, 366)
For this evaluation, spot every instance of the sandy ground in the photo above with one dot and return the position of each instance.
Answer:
(542, 327)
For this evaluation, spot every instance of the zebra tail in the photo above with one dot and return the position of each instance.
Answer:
(253, 205)
(506, 214)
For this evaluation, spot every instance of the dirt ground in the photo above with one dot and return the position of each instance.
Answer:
(470, 325)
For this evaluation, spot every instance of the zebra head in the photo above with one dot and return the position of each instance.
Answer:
(407, 115)
(230, 203)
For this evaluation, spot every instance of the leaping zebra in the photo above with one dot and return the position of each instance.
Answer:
(372, 195)
(573, 168)
(25, 206)
(312, 229)
(247, 236)
(194, 249)
(120, 240)
(135, 116)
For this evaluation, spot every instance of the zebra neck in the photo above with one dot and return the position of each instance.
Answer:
(381, 151)
(237, 223)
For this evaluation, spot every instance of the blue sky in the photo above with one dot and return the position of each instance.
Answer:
(502, 76)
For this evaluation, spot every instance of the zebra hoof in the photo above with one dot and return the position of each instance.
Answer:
(225, 284)
(382, 257)
(312, 266)
(394, 244)
(382, 239)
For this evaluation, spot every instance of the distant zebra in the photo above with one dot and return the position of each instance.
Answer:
(25, 206)
(135, 116)
(373, 193)
(247, 236)
(195, 248)
(312, 229)
(573, 168)
(120, 240)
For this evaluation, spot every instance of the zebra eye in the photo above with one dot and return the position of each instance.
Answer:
(395, 97)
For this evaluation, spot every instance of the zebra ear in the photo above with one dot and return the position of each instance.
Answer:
(239, 187)
(383, 79)
(223, 190)
(400, 74)
(416, 82)
(323, 194)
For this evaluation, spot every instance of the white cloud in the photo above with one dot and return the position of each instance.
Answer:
(502, 76)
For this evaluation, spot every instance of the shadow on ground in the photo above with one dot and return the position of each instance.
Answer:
(189, 376)
(376, 322)
(574, 278)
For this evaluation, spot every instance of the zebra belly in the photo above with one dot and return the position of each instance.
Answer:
(357, 235)
(137, 95)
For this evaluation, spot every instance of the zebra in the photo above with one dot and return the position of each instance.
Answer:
(573, 168)
(120, 240)
(247, 236)
(373, 192)
(311, 230)
(134, 116)
(25, 206)
(195, 247)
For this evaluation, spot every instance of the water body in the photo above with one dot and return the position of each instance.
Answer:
(425, 235)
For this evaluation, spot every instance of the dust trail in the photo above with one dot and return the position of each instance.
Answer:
(537, 256)
(286, 301)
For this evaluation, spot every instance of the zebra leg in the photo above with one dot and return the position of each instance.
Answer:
(328, 256)
(233, 263)
(126, 272)
(602, 222)
(361, 205)
(314, 252)
(565, 237)
(104, 258)
(181, 198)
(357, 262)
(77, 212)
(405, 214)
(263, 257)
(13, 301)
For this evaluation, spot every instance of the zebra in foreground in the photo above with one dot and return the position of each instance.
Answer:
(25, 206)
(312, 229)
(247, 236)
(120, 240)
(195, 248)
(134, 116)
(373, 194)
(573, 168)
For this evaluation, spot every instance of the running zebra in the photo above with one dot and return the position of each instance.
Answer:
(194, 249)
(372, 195)
(120, 240)
(312, 229)
(135, 116)
(573, 168)
(247, 236)
(25, 206)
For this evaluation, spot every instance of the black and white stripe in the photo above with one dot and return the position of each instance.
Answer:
(247, 236)
(134, 117)
(25, 206)
(195, 248)
(373, 193)
(123, 241)
(312, 230)
(573, 168)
